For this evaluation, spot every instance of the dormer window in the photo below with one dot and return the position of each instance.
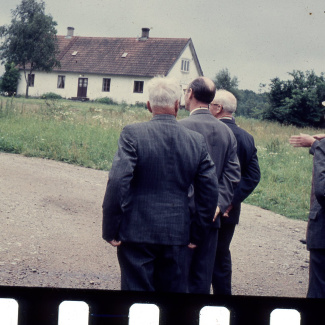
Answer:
(185, 67)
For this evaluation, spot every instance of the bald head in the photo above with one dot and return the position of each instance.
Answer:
(203, 89)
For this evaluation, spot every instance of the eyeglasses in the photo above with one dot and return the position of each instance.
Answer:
(219, 105)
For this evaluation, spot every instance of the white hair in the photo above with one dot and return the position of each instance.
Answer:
(226, 99)
(163, 92)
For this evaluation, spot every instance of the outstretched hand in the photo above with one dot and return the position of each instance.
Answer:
(302, 140)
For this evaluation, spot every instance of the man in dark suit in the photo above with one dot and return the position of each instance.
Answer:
(223, 107)
(222, 148)
(145, 208)
(316, 220)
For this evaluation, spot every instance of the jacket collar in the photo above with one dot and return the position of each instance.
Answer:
(200, 111)
(164, 117)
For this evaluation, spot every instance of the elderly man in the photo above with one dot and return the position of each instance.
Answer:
(316, 220)
(145, 208)
(223, 107)
(222, 147)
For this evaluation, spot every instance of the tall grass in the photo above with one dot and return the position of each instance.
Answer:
(86, 133)
(285, 171)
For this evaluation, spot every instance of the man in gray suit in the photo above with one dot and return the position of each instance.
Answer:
(145, 208)
(222, 147)
(316, 220)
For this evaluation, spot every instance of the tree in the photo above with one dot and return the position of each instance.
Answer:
(297, 101)
(30, 40)
(9, 79)
(223, 80)
(251, 104)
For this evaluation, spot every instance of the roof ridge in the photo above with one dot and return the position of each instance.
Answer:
(135, 38)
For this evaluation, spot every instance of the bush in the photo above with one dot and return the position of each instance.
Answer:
(51, 96)
(105, 100)
(9, 80)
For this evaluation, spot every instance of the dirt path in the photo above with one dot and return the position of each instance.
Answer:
(51, 234)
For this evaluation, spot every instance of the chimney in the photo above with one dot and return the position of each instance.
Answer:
(70, 32)
(145, 33)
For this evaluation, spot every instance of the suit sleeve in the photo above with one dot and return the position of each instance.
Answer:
(319, 172)
(230, 176)
(250, 177)
(206, 196)
(118, 185)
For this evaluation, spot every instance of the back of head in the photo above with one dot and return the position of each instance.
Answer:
(226, 99)
(163, 92)
(203, 89)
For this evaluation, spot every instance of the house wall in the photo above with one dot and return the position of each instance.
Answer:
(121, 87)
(184, 77)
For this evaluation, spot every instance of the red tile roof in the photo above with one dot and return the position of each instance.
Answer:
(103, 55)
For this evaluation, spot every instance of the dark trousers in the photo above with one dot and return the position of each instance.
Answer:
(222, 271)
(316, 288)
(150, 267)
(200, 261)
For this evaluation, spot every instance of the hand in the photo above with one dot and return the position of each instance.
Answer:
(115, 243)
(191, 246)
(302, 140)
(216, 214)
(319, 136)
(226, 214)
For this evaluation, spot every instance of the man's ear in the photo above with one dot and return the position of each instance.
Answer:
(190, 93)
(149, 107)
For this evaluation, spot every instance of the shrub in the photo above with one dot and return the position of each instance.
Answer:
(105, 100)
(51, 96)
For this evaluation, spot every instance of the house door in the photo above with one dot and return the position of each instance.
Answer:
(82, 87)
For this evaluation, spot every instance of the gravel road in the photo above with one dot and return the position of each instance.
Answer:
(51, 235)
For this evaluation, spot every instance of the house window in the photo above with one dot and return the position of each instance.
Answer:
(138, 87)
(31, 79)
(61, 81)
(185, 65)
(106, 84)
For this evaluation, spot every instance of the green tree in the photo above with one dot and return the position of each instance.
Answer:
(297, 101)
(223, 80)
(251, 104)
(30, 40)
(9, 80)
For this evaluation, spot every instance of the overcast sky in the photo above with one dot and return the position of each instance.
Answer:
(257, 40)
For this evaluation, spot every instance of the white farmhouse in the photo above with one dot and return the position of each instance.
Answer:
(114, 67)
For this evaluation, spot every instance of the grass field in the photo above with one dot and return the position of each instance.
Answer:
(86, 133)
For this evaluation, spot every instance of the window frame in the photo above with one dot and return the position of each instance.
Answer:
(138, 87)
(31, 80)
(104, 85)
(62, 79)
(185, 65)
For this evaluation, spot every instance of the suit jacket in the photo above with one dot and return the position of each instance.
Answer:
(250, 170)
(316, 221)
(222, 147)
(146, 196)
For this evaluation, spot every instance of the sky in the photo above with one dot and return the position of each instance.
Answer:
(256, 40)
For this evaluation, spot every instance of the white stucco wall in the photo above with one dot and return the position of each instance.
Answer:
(184, 77)
(121, 87)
